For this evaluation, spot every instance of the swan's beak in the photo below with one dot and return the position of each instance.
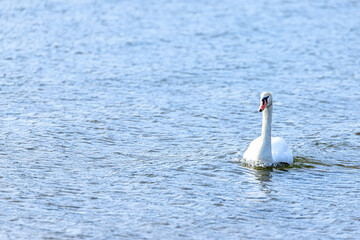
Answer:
(263, 105)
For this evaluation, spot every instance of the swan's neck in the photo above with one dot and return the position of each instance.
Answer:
(265, 154)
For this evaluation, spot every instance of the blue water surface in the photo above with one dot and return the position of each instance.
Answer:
(128, 119)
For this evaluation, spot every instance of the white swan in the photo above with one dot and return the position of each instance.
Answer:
(266, 150)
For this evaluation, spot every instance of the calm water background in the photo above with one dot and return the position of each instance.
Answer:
(127, 119)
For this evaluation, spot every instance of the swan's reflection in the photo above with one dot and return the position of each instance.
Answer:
(263, 175)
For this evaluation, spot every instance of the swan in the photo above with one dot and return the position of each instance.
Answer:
(266, 150)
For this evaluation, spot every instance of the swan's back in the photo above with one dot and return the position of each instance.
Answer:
(281, 152)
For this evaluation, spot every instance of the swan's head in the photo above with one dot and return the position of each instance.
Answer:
(265, 101)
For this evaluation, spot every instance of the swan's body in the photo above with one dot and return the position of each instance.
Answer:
(266, 150)
(280, 152)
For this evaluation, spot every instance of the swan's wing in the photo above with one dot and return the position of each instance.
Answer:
(281, 152)
(253, 150)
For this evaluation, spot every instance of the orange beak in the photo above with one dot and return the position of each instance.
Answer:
(263, 105)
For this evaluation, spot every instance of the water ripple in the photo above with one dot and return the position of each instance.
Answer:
(126, 119)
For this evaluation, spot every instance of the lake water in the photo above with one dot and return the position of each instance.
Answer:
(128, 119)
